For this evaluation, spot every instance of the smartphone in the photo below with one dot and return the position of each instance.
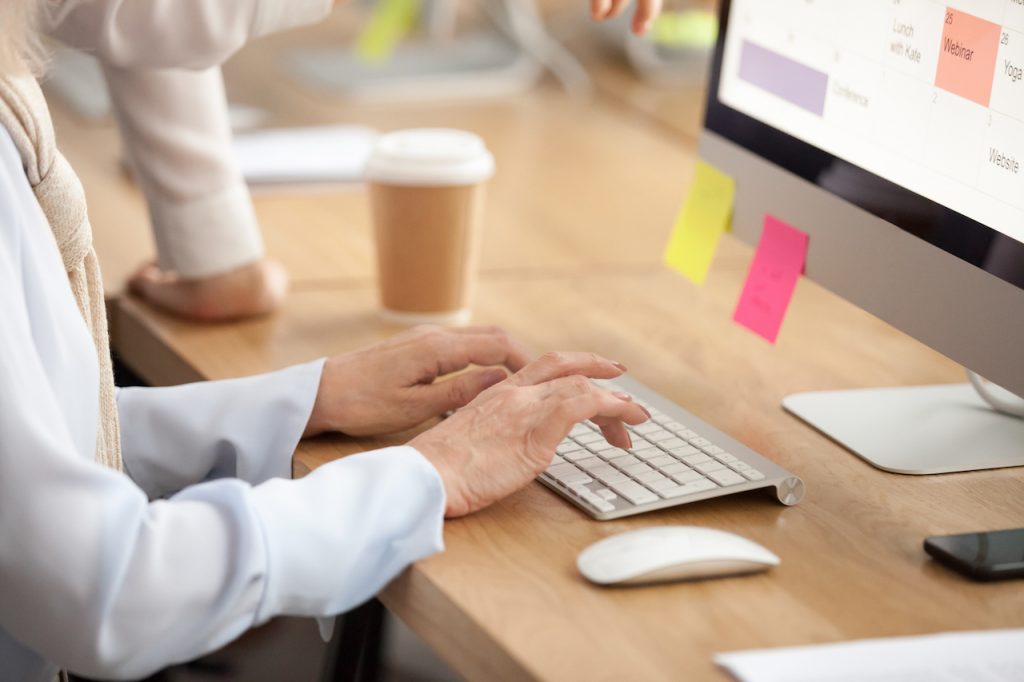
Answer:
(991, 555)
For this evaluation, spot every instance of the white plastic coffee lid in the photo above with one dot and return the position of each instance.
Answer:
(430, 156)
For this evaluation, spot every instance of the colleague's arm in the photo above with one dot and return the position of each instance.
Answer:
(177, 139)
(193, 34)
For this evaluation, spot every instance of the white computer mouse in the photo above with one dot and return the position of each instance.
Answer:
(668, 553)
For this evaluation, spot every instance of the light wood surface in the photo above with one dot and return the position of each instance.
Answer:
(556, 154)
(505, 602)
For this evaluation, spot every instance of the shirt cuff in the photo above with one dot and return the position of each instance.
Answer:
(346, 530)
(280, 15)
(207, 236)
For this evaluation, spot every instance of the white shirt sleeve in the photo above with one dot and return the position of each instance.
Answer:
(102, 581)
(177, 138)
(237, 428)
(193, 34)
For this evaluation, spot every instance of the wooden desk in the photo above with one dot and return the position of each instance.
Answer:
(505, 602)
(555, 155)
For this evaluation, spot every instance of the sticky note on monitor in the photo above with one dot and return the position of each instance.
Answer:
(389, 22)
(778, 264)
(705, 216)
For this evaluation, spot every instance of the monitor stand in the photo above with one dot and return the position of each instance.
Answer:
(915, 430)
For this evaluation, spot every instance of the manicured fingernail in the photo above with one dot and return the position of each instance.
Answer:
(622, 396)
(620, 366)
(645, 411)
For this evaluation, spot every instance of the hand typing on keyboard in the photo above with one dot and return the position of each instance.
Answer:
(508, 434)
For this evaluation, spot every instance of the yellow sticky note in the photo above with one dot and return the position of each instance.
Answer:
(705, 216)
(388, 24)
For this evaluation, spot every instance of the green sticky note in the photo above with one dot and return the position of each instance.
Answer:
(690, 29)
(705, 216)
(389, 22)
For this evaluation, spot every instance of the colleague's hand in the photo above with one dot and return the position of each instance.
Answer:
(248, 291)
(643, 17)
(391, 386)
(507, 436)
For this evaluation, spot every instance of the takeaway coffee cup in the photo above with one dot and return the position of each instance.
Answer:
(426, 193)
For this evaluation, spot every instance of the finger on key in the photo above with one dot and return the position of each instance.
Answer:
(577, 399)
(555, 365)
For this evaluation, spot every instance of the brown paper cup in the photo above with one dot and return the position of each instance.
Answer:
(426, 195)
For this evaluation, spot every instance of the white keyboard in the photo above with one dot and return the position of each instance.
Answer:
(675, 459)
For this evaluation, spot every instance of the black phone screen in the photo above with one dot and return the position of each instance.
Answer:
(989, 555)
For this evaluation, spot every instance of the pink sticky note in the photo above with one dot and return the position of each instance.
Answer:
(777, 265)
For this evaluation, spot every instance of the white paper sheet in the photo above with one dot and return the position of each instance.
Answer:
(990, 656)
(304, 155)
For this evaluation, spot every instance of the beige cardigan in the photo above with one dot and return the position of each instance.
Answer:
(23, 112)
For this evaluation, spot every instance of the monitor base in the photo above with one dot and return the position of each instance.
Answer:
(915, 430)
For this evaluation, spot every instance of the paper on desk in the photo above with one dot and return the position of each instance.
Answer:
(992, 656)
(771, 280)
(304, 155)
(705, 216)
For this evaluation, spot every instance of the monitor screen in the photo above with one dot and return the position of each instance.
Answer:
(910, 109)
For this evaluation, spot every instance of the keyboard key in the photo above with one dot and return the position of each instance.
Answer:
(649, 477)
(634, 492)
(688, 476)
(674, 427)
(739, 466)
(646, 427)
(684, 451)
(726, 457)
(636, 469)
(694, 460)
(701, 485)
(568, 478)
(663, 461)
(675, 491)
(580, 430)
(724, 477)
(708, 467)
(610, 478)
(614, 453)
(605, 494)
(648, 453)
(557, 459)
(754, 475)
(675, 468)
(556, 469)
(713, 450)
(603, 506)
(688, 434)
(701, 442)
(621, 462)
(600, 446)
(663, 484)
(672, 443)
(578, 455)
(589, 437)
(658, 436)
(591, 463)
(568, 446)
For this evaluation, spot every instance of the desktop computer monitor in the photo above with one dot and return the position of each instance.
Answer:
(892, 132)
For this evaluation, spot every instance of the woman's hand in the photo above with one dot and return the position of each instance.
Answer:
(391, 386)
(507, 436)
(254, 289)
(643, 17)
